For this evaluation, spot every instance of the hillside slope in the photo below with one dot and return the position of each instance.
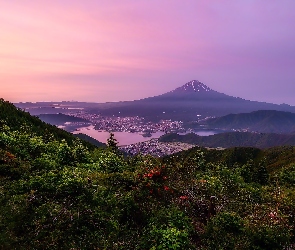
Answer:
(262, 121)
(17, 119)
(233, 139)
(59, 195)
(60, 119)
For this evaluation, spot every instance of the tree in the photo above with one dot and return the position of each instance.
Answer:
(112, 143)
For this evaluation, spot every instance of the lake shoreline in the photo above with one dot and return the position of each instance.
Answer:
(127, 138)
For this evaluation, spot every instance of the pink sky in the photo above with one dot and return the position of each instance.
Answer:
(103, 50)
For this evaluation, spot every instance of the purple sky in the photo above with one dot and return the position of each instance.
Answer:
(102, 50)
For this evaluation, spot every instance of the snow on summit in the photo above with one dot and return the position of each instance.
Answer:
(193, 86)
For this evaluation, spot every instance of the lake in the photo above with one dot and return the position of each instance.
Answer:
(126, 138)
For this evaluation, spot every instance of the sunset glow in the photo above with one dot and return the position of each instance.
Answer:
(102, 50)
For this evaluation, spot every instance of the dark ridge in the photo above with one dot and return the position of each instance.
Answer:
(262, 121)
(233, 139)
(90, 140)
(16, 118)
(59, 119)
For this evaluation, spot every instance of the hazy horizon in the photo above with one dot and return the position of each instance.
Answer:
(102, 51)
(57, 101)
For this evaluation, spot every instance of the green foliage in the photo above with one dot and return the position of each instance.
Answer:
(169, 228)
(16, 119)
(224, 231)
(108, 161)
(55, 187)
(287, 175)
(252, 173)
(169, 238)
(112, 143)
(268, 237)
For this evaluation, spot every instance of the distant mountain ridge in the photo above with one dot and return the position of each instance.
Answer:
(59, 119)
(188, 102)
(263, 121)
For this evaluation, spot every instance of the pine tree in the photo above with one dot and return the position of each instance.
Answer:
(112, 143)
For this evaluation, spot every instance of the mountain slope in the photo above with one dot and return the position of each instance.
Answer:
(234, 139)
(190, 102)
(187, 103)
(17, 119)
(274, 158)
(263, 121)
(59, 119)
(90, 140)
(60, 196)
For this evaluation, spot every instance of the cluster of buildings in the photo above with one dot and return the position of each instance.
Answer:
(132, 124)
(155, 148)
(93, 118)
(137, 125)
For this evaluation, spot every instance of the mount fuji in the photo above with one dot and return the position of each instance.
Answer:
(188, 103)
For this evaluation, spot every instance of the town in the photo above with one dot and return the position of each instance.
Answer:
(139, 125)
(132, 124)
(155, 148)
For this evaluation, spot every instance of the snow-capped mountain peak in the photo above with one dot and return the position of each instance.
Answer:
(193, 86)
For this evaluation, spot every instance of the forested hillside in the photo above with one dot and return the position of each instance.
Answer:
(262, 121)
(90, 140)
(233, 139)
(60, 119)
(58, 193)
(16, 119)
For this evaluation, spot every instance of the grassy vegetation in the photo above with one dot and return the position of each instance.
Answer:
(59, 193)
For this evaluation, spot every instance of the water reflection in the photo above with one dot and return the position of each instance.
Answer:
(126, 138)
(123, 138)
